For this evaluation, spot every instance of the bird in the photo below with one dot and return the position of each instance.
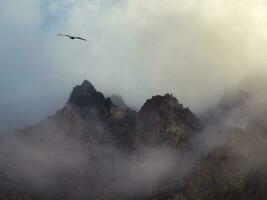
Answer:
(73, 37)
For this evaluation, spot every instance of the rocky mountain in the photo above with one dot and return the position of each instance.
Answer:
(236, 168)
(91, 148)
(163, 119)
(89, 101)
(96, 147)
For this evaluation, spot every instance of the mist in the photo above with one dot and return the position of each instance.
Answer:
(211, 55)
(48, 159)
(194, 50)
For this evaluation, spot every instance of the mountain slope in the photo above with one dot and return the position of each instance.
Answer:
(236, 167)
(92, 149)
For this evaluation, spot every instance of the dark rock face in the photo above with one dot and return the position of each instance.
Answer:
(78, 153)
(86, 98)
(163, 119)
(168, 107)
(72, 150)
(236, 169)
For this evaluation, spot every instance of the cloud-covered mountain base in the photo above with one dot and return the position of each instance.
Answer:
(96, 148)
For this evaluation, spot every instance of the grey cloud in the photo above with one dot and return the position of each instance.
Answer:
(136, 49)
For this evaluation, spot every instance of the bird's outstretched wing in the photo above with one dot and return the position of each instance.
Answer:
(79, 38)
(72, 37)
(65, 35)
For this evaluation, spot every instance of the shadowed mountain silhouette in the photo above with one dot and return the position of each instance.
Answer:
(93, 149)
(89, 100)
(67, 148)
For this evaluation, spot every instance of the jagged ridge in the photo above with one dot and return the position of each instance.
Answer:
(88, 119)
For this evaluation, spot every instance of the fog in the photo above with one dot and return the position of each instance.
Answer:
(48, 160)
(211, 55)
(135, 48)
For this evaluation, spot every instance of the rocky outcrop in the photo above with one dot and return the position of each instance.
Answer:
(73, 160)
(90, 101)
(163, 120)
(236, 169)
(75, 149)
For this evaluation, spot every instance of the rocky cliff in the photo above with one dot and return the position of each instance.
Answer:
(94, 148)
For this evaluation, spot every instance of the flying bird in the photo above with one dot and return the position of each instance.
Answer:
(72, 37)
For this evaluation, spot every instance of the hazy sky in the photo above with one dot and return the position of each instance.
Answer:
(137, 48)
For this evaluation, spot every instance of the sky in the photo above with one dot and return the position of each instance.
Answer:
(136, 48)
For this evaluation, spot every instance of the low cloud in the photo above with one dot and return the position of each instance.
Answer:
(195, 51)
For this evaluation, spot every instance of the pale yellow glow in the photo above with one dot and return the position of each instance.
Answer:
(194, 49)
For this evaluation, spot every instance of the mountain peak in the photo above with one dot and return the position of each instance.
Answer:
(165, 102)
(83, 94)
(161, 109)
(86, 97)
(87, 87)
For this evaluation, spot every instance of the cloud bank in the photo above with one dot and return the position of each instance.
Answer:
(136, 48)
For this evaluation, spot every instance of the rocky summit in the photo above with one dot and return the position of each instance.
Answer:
(97, 148)
(86, 98)
(75, 153)
(164, 119)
